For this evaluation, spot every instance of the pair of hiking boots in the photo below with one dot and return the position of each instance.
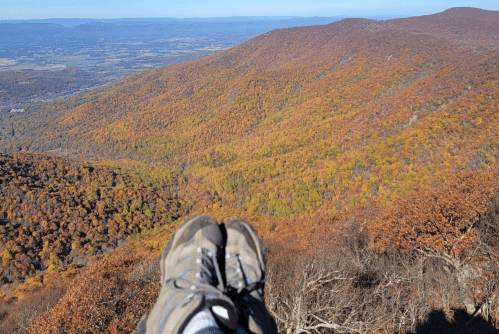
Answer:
(207, 266)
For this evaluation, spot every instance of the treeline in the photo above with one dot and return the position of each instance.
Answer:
(56, 211)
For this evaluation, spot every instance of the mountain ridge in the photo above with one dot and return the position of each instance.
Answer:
(352, 111)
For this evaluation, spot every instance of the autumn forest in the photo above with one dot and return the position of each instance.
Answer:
(367, 151)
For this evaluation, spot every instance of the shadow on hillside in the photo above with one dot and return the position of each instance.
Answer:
(462, 323)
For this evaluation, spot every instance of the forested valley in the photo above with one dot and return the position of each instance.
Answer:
(364, 152)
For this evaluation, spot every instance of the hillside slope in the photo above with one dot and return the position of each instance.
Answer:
(302, 119)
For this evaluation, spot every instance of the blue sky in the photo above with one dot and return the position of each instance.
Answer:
(43, 9)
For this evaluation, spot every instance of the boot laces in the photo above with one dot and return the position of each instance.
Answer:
(208, 268)
(238, 282)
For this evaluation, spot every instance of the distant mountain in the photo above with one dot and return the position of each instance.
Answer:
(50, 30)
(291, 20)
(302, 119)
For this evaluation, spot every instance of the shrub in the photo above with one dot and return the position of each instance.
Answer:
(17, 316)
(108, 297)
(437, 222)
(350, 288)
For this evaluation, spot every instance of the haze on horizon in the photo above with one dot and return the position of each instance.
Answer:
(112, 9)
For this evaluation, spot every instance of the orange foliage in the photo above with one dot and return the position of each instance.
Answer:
(56, 211)
(438, 221)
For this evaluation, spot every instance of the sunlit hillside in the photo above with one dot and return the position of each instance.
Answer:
(301, 119)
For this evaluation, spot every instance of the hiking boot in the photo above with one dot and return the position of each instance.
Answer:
(245, 275)
(191, 279)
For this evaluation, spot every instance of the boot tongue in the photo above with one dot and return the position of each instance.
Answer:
(213, 233)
